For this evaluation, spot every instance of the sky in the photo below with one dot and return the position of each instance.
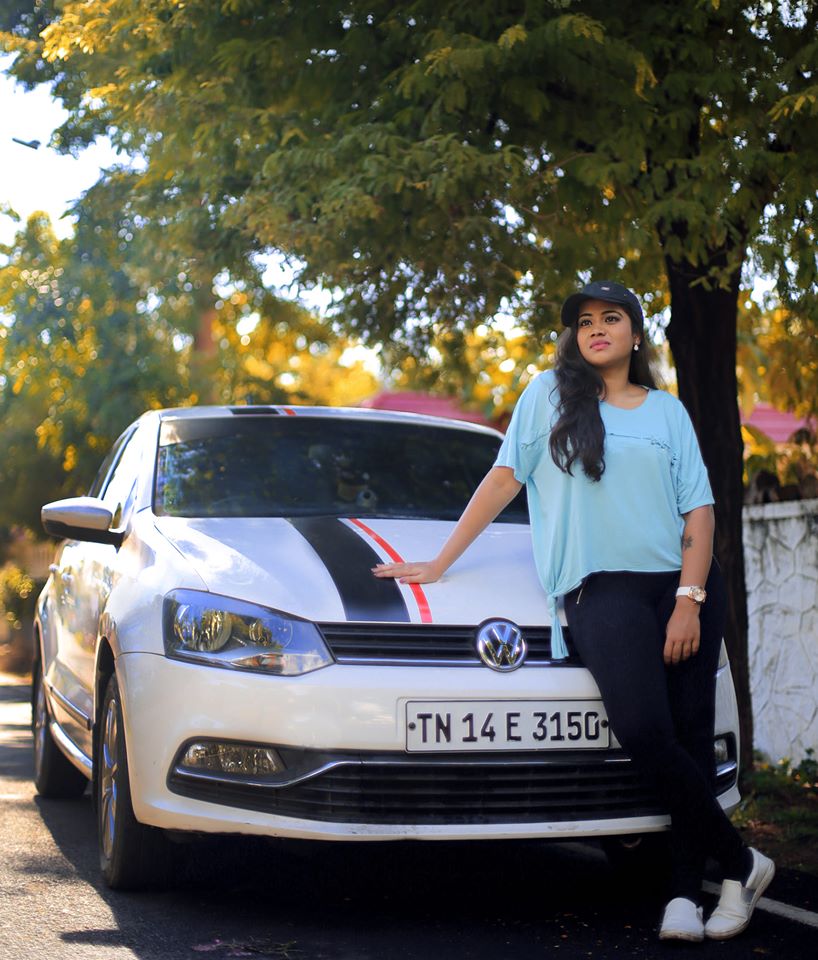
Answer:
(40, 179)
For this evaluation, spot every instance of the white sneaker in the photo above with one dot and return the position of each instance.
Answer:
(682, 920)
(737, 902)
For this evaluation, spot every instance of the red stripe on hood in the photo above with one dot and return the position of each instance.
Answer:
(417, 590)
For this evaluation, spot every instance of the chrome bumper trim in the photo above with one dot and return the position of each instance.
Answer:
(69, 707)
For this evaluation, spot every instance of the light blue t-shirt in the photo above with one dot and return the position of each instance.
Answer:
(631, 519)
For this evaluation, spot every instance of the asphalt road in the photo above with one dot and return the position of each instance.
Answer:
(341, 901)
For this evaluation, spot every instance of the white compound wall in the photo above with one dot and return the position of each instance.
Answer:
(781, 559)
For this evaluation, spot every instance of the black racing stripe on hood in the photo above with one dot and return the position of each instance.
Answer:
(349, 561)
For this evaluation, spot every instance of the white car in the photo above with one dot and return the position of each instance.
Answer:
(214, 654)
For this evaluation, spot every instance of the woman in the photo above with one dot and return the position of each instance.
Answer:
(622, 526)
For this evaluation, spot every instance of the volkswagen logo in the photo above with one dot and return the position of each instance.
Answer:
(500, 645)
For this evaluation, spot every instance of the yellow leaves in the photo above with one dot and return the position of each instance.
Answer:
(11, 43)
(56, 44)
(777, 359)
(436, 59)
(486, 369)
(514, 34)
(86, 40)
(291, 134)
(801, 100)
(48, 434)
(100, 93)
(64, 36)
(258, 368)
(70, 459)
(581, 25)
(795, 103)
(87, 26)
(644, 76)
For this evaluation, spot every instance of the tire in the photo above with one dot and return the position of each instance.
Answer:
(55, 777)
(640, 859)
(132, 856)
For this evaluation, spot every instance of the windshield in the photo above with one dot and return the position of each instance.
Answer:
(266, 466)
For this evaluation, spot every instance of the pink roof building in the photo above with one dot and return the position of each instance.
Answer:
(779, 426)
(776, 424)
(414, 401)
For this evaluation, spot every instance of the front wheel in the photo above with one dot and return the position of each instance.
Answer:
(132, 856)
(55, 777)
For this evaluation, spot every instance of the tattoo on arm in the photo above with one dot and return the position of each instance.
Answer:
(687, 543)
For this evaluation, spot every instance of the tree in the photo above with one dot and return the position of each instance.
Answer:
(437, 161)
(86, 345)
(778, 359)
(778, 364)
(78, 361)
(486, 369)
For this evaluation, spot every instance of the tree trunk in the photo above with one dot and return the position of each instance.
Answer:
(204, 355)
(702, 336)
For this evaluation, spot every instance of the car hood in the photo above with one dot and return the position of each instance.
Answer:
(319, 568)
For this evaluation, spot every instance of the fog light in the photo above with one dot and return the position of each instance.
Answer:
(236, 759)
(721, 750)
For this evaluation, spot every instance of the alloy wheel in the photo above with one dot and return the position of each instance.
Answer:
(108, 777)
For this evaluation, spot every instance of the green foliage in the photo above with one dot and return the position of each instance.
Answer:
(783, 777)
(779, 811)
(436, 160)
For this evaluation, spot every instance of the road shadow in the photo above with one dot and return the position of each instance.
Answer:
(235, 896)
(13, 691)
(308, 900)
(15, 717)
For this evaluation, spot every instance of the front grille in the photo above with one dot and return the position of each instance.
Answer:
(419, 643)
(394, 789)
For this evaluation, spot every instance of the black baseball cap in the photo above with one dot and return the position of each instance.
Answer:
(606, 290)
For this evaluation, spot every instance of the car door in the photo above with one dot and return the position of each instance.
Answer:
(99, 568)
(78, 587)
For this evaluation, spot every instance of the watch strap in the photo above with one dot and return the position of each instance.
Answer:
(691, 592)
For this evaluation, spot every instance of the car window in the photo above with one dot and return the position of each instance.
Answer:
(120, 489)
(111, 458)
(254, 466)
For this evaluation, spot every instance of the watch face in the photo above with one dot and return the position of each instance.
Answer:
(698, 594)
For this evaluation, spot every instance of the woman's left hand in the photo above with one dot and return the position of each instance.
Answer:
(683, 632)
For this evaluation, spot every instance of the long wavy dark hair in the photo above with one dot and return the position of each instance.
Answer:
(579, 434)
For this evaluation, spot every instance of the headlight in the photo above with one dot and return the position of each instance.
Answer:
(221, 632)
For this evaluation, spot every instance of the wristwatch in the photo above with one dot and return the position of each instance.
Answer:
(696, 594)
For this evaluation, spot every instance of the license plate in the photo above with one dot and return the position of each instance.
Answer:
(481, 725)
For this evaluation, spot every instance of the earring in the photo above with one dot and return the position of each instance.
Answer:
(636, 348)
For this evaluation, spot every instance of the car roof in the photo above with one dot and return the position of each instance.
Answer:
(336, 413)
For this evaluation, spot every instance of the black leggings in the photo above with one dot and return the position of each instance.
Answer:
(662, 716)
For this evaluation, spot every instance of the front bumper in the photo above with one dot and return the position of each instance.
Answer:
(341, 732)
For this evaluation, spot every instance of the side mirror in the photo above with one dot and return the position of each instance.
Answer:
(81, 518)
